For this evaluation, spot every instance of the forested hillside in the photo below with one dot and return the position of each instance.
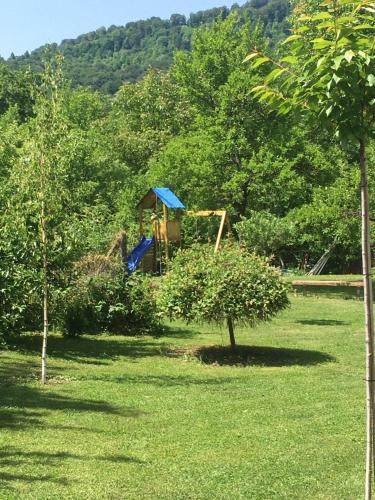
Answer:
(105, 58)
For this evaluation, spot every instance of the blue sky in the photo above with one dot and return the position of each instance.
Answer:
(27, 24)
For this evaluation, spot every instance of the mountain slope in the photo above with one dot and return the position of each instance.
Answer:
(104, 58)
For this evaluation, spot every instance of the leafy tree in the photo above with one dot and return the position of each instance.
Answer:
(235, 154)
(37, 206)
(230, 285)
(265, 234)
(330, 71)
(16, 91)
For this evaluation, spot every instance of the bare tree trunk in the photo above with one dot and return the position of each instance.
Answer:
(231, 333)
(369, 322)
(45, 294)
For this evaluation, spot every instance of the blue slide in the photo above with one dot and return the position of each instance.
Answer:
(136, 255)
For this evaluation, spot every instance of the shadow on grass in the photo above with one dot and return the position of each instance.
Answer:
(89, 350)
(6, 477)
(11, 457)
(170, 380)
(322, 322)
(331, 292)
(256, 356)
(24, 405)
(173, 332)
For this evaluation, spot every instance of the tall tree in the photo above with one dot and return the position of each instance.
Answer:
(330, 71)
(49, 129)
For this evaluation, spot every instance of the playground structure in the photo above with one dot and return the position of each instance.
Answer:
(153, 251)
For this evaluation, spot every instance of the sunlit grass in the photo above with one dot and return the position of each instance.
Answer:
(146, 418)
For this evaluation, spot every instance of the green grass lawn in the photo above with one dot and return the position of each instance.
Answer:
(143, 418)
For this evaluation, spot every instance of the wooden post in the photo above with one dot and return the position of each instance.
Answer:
(220, 233)
(166, 240)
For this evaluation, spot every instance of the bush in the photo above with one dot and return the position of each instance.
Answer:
(109, 301)
(231, 285)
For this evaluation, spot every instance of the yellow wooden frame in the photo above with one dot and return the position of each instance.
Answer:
(209, 213)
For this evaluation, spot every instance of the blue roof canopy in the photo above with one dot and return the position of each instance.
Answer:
(168, 198)
(165, 195)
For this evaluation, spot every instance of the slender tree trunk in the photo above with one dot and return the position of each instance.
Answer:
(45, 294)
(231, 333)
(369, 322)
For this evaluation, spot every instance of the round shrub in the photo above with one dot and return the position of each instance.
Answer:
(231, 285)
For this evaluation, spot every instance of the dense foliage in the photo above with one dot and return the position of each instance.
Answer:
(213, 287)
(105, 58)
(108, 301)
(266, 234)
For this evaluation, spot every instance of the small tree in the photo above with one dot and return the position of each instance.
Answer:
(330, 71)
(39, 201)
(230, 285)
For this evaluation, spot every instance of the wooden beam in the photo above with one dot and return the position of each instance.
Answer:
(355, 284)
(205, 213)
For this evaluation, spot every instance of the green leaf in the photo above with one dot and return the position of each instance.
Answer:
(260, 61)
(258, 88)
(343, 41)
(337, 62)
(274, 74)
(289, 59)
(321, 15)
(349, 54)
(302, 29)
(291, 38)
(329, 110)
(371, 80)
(321, 43)
(364, 26)
(346, 19)
(336, 78)
(320, 61)
(266, 96)
(251, 56)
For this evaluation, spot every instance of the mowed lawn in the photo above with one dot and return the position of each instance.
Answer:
(140, 418)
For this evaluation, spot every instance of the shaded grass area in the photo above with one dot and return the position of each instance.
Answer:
(243, 355)
(182, 416)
